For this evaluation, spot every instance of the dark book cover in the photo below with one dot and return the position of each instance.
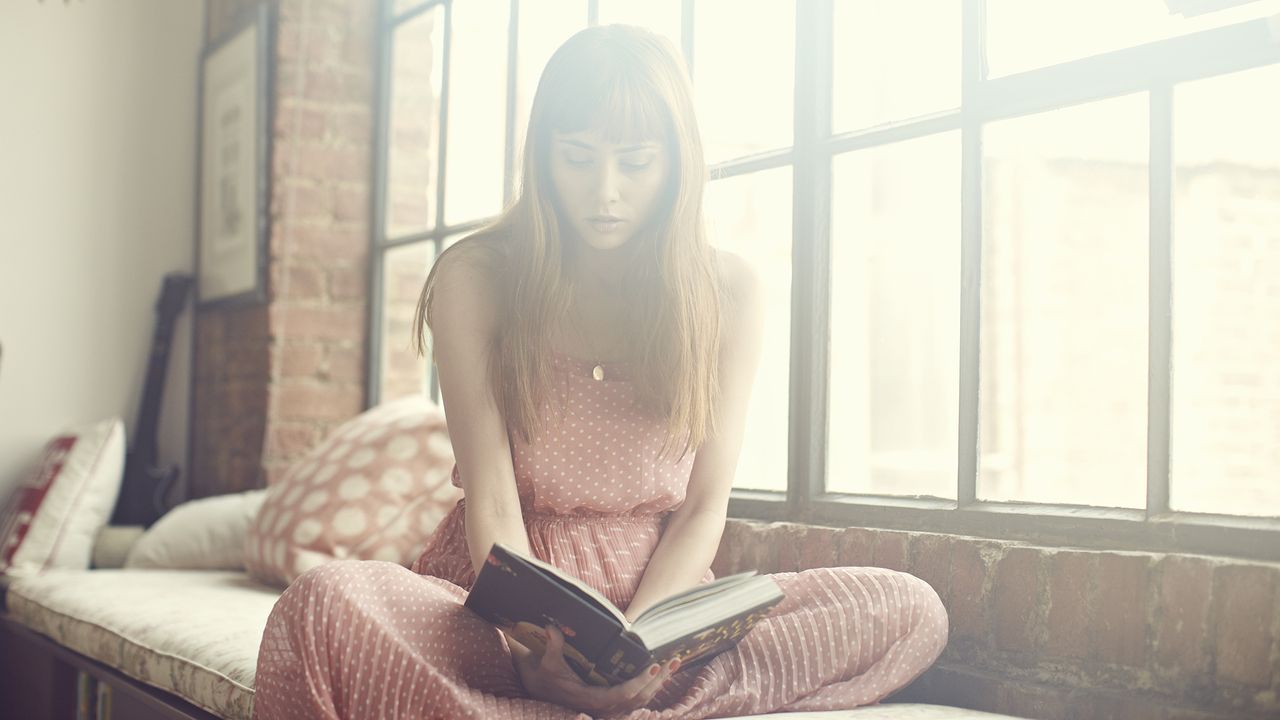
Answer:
(522, 595)
(521, 598)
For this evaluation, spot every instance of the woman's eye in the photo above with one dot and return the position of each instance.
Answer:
(636, 164)
(577, 160)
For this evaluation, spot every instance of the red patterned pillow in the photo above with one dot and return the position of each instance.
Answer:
(52, 519)
(374, 490)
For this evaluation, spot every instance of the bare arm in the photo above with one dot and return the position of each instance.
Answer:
(463, 318)
(692, 536)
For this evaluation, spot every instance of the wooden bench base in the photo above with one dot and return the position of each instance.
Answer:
(41, 679)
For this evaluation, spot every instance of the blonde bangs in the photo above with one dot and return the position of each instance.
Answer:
(622, 110)
(606, 91)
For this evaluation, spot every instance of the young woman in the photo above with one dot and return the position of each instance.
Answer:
(595, 357)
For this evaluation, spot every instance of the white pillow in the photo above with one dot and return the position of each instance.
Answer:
(204, 534)
(53, 517)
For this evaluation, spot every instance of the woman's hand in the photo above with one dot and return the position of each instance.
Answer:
(548, 677)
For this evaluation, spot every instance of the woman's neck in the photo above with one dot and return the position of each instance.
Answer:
(598, 274)
(594, 323)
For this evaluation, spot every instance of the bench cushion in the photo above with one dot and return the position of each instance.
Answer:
(192, 633)
(196, 634)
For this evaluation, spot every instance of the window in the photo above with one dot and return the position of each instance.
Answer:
(1022, 271)
(1063, 415)
(895, 329)
(1225, 419)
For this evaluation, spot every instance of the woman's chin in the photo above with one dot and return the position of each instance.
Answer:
(604, 242)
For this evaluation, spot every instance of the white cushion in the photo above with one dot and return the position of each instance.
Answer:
(204, 534)
(52, 519)
(192, 633)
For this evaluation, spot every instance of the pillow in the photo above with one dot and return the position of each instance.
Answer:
(204, 534)
(53, 517)
(375, 489)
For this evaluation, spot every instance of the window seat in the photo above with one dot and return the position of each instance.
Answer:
(194, 635)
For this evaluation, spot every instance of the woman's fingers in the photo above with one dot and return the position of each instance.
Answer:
(518, 649)
(624, 697)
(639, 690)
(634, 686)
(553, 655)
(656, 684)
(650, 687)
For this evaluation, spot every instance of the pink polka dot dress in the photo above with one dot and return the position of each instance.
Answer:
(366, 639)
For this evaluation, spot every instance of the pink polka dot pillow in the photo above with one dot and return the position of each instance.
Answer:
(373, 490)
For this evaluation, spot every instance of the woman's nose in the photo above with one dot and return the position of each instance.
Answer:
(608, 182)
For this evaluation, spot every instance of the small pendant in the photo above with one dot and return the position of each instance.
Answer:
(597, 372)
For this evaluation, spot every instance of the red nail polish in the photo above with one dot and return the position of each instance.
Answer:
(653, 670)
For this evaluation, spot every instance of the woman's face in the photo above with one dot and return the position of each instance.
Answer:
(606, 192)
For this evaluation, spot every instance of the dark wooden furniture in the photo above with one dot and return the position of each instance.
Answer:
(39, 677)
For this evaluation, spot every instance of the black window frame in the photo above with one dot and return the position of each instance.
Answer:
(1155, 68)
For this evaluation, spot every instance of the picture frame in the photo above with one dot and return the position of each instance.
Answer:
(234, 145)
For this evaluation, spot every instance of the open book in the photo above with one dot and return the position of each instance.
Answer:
(521, 595)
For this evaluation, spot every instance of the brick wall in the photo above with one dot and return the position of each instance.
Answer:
(271, 380)
(1064, 634)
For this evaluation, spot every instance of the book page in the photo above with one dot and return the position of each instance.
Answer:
(697, 591)
(710, 611)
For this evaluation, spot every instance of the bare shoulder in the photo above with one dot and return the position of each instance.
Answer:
(466, 284)
(741, 287)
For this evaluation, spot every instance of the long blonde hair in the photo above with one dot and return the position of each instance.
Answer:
(631, 85)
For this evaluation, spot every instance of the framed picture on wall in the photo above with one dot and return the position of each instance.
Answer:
(234, 150)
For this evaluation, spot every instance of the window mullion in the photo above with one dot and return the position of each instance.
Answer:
(811, 258)
(445, 81)
(509, 156)
(971, 66)
(1160, 299)
(443, 150)
(377, 253)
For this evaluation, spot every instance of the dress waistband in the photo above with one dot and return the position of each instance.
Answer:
(581, 517)
(592, 518)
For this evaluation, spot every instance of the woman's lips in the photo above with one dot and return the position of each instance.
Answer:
(604, 223)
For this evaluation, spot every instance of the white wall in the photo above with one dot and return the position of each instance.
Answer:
(97, 175)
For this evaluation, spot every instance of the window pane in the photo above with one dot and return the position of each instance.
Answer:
(660, 16)
(744, 75)
(1025, 35)
(404, 270)
(890, 66)
(543, 29)
(750, 215)
(1064, 306)
(895, 326)
(413, 129)
(477, 112)
(1225, 415)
